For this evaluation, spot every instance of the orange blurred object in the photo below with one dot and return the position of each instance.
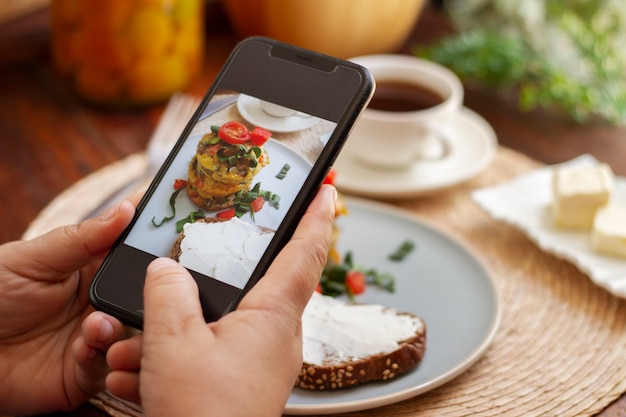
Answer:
(343, 28)
(128, 52)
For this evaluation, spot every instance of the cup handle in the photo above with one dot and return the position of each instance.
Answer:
(434, 145)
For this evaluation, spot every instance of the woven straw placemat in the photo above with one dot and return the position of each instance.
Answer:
(561, 345)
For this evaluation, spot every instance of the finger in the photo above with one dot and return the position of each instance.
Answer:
(124, 385)
(295, 272)
(90, 367)
(135, 197)
(76, 245)
(171, 299)
(100, 331)
(126, 355)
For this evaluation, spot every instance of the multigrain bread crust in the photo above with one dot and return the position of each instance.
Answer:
(380, 367)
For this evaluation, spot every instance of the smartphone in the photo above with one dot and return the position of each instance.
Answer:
(240, 177)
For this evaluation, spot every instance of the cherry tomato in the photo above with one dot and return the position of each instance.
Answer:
(179, 184)
(330, 177)
(226, 214)
(259, 136)
(355, 281)
(319, 288)
(257, 204)
(234, 133)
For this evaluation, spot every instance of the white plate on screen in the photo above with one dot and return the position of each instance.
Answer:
(472, 146)
(440, 280)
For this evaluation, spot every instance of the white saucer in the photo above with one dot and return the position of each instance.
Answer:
(250, 109)
(473, 145)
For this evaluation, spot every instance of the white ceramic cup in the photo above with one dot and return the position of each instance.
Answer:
(389, 139)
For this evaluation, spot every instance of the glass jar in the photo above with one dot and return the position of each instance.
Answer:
(128, 52)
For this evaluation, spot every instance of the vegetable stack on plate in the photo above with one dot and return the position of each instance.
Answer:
(225, 163)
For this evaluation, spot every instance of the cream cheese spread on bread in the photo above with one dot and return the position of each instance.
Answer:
(337, 332)
(227, 251)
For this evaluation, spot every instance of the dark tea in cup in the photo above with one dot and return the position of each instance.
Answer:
(413, 101)
(398, 96)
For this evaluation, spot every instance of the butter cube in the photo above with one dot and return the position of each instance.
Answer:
(609, 230)
(578, 192)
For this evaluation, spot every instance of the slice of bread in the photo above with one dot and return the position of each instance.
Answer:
(226, 250)
(176, 250)
(347, 344)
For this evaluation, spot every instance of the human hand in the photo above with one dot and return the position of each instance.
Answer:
(45, 362)
(245, 363)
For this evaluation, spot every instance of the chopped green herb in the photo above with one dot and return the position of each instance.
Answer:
(172, 206)
(333, 279)
(243, 200)
(193, 216)
(232, 153)
(384, 281)
(403, 250)
(283, 171)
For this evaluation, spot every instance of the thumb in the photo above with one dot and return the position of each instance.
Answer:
(171, 299)
(75, 245)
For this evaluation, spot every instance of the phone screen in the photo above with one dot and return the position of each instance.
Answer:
(231, 191)
(217, 207)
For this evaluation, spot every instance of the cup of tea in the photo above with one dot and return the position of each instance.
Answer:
(413, 101)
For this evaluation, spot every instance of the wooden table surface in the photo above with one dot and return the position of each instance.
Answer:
(49, 139)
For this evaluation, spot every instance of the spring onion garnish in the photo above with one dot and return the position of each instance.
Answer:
(283, 171)
(403, 250)
(243, 201)
(333, 281)
(193, 216)
(172, 206)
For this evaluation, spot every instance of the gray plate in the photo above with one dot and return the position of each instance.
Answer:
(440, 281)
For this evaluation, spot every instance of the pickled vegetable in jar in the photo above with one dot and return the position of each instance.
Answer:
(128, 52)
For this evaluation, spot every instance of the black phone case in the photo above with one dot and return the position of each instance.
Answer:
(292, 77)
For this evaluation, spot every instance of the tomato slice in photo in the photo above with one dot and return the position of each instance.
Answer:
(259, 136)
(257, 204)
(355, 281)
(226, 214)
(234, 133)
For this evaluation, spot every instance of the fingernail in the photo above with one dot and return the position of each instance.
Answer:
(333, 190)
(106, 330)
(160, 263)
(109, 213)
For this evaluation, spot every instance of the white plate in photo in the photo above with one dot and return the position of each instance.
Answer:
(524, 202)
(472, 146)
(440, 281)
(250, 109)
